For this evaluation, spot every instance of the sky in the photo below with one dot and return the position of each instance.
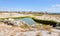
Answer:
(51, 6)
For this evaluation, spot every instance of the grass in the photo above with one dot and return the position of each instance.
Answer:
(46, 22)
(37, 14)
(16, 18)
(35, 19)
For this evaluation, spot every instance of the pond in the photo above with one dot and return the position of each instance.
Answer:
(29, 21)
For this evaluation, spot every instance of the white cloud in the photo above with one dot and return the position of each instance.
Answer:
(54, 8)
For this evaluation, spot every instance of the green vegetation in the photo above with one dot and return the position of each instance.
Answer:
(45, 22)
(37, 14)
(16, 18)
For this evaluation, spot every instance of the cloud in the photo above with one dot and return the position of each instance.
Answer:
(54, 8)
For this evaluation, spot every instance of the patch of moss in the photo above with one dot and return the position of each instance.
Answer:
(46, 22)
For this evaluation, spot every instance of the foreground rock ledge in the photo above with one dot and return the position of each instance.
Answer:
(8, 30)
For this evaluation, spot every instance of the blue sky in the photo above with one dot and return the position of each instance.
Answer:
(30, 5)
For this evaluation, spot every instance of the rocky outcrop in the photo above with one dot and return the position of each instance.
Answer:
(8, 30)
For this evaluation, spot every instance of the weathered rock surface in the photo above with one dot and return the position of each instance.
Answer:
(8, 30)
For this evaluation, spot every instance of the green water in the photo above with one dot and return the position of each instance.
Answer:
(30, 21)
